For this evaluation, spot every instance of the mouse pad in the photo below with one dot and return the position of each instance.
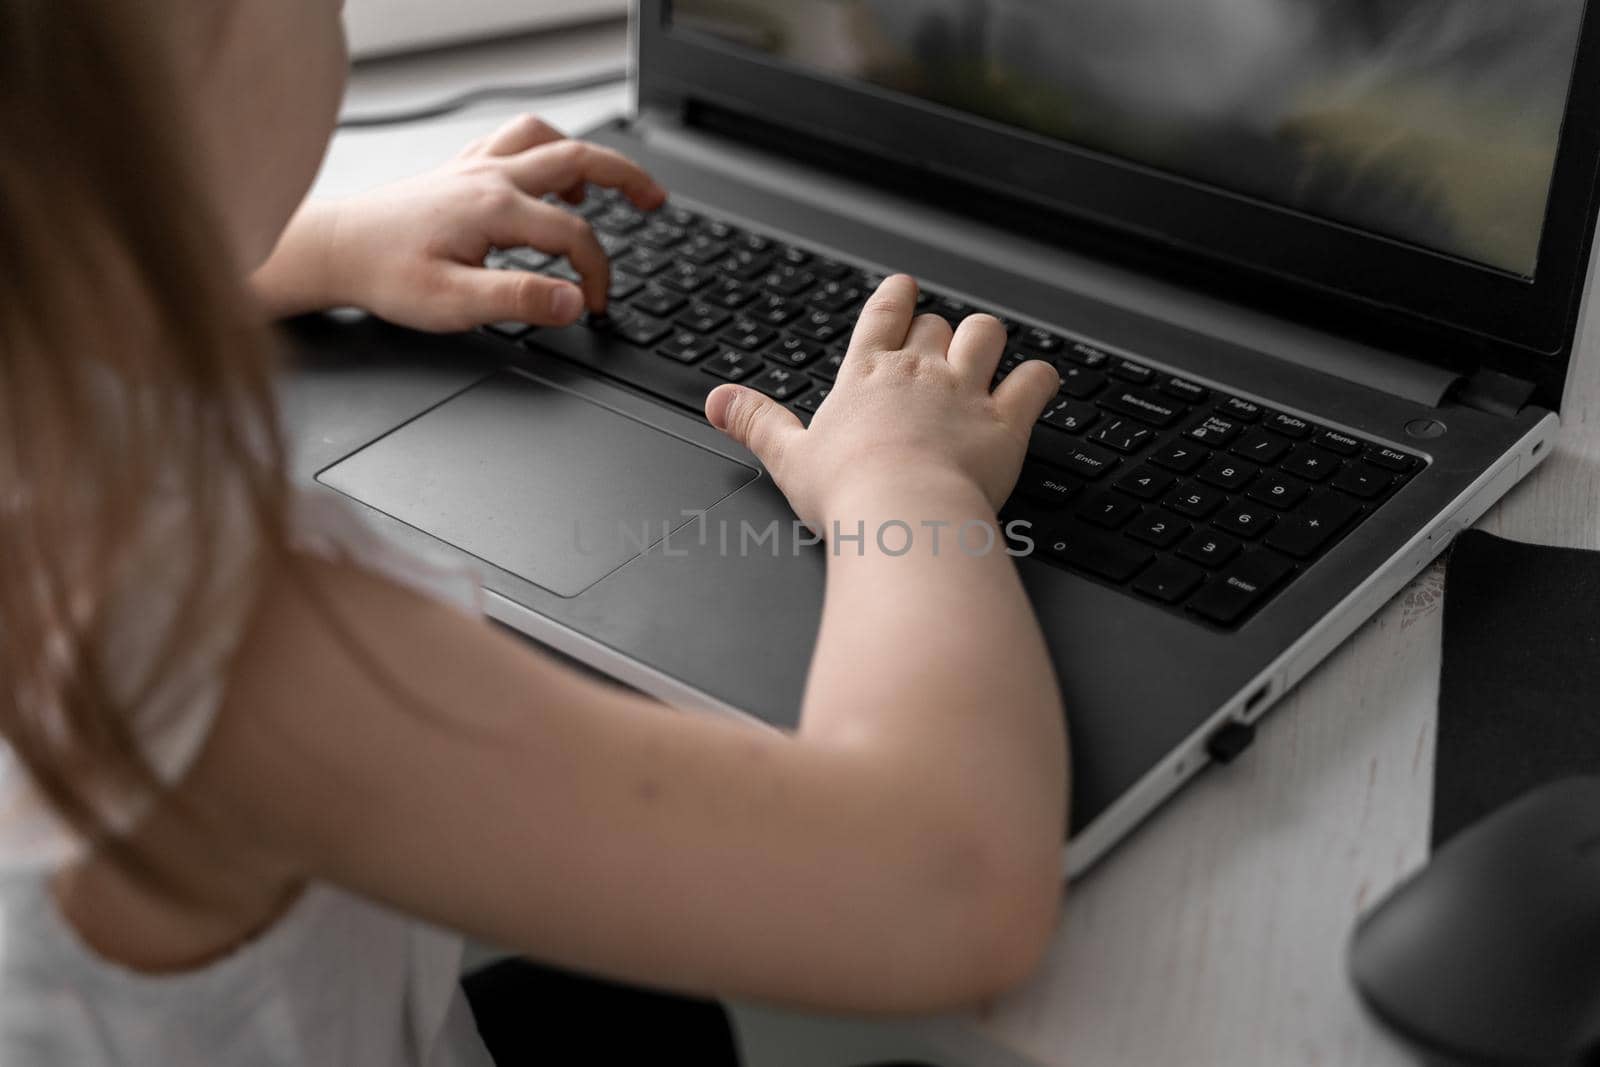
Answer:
(1519, 688)
(538, 481)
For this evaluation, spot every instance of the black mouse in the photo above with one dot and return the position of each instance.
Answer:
(1491, 954)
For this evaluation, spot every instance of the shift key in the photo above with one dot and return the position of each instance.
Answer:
(1045, 485)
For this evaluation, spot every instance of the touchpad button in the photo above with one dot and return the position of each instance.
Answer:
(535, 480)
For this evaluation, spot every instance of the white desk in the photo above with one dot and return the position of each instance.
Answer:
(1216, 935)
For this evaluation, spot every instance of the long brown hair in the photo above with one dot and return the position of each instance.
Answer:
(131, 360)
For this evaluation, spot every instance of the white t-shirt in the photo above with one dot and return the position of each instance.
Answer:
(337, 980)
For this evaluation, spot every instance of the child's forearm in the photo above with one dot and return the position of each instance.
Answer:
(299, 275)
(932, 659)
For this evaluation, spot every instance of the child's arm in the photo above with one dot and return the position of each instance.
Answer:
(901, 853)
(413, 252)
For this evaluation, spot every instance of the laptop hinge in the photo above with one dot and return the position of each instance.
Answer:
(1493, 392)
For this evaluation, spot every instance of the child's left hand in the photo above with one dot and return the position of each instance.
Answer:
(413, 252)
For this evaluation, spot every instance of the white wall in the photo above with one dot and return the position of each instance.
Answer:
(381, 26)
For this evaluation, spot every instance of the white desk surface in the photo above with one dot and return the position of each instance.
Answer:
(1216, 935)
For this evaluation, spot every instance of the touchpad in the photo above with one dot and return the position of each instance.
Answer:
(532, 479)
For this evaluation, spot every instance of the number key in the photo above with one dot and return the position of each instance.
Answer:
(1181, 457)
(1209, 549)
(1226, 473)
(1278, 490)
(1160, 528)
(1244, 520)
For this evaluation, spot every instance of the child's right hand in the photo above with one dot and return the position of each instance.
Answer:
(911, 406)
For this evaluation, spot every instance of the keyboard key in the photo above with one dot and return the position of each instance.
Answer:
(1210, 549)
(787, 280)
(702, 318)
(678, 216)
(952, 311)
(1261, 446)
(795, 257)
(620, 219)
(830, 365)
(1081, 547)
(1248, 521)
(794, 351)
(1181, 457)
(718, 229)
(731, 293)
(1124, 435)
(686, 277)
(732, 364)
(836, 296)
(1388, 457)
(659, 234)
(1187, 391)
(754, 242)
(1129, 371)
(613, 245)
(1145, 483)
(1169, 581)
(1080, 382)
(747, 334)
(1227, 473)
(1304, 533)
(1214, 430)
(1088, 355)
(775, 310)
(1109, 512)
(1147, 407)
(645, 262)
(1278, 490)
(823, 326)
(1289, 425)
(744, 264)
(1046, 485)
(1311, 463)
(1073, 416)
(781, 383)
(688, 348)
(1160, 528)
(1089, 462)
(623, 285)
(702, 249)
(641, 330)
(565, 271)
(1195, 501)
(1363, 480)
(1240, 588)
(813, 400)
(1039, 341)
(1342, 443)
(1242, 410)
(526, 258)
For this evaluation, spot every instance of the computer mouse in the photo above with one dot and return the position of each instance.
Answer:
(1491, 954)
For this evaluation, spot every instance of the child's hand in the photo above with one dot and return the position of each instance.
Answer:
(911, 407)
(413, 252)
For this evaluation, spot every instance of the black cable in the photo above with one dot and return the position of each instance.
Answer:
(531, 91)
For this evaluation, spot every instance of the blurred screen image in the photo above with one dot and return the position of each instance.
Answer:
(1434, 122)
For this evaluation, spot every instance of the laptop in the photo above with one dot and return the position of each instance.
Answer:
(1311, 273)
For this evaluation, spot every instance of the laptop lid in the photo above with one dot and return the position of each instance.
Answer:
(1418, 173)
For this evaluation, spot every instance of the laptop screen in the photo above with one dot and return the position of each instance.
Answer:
(1433, 122)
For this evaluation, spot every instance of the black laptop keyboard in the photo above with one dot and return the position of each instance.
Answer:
(1178, 492)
